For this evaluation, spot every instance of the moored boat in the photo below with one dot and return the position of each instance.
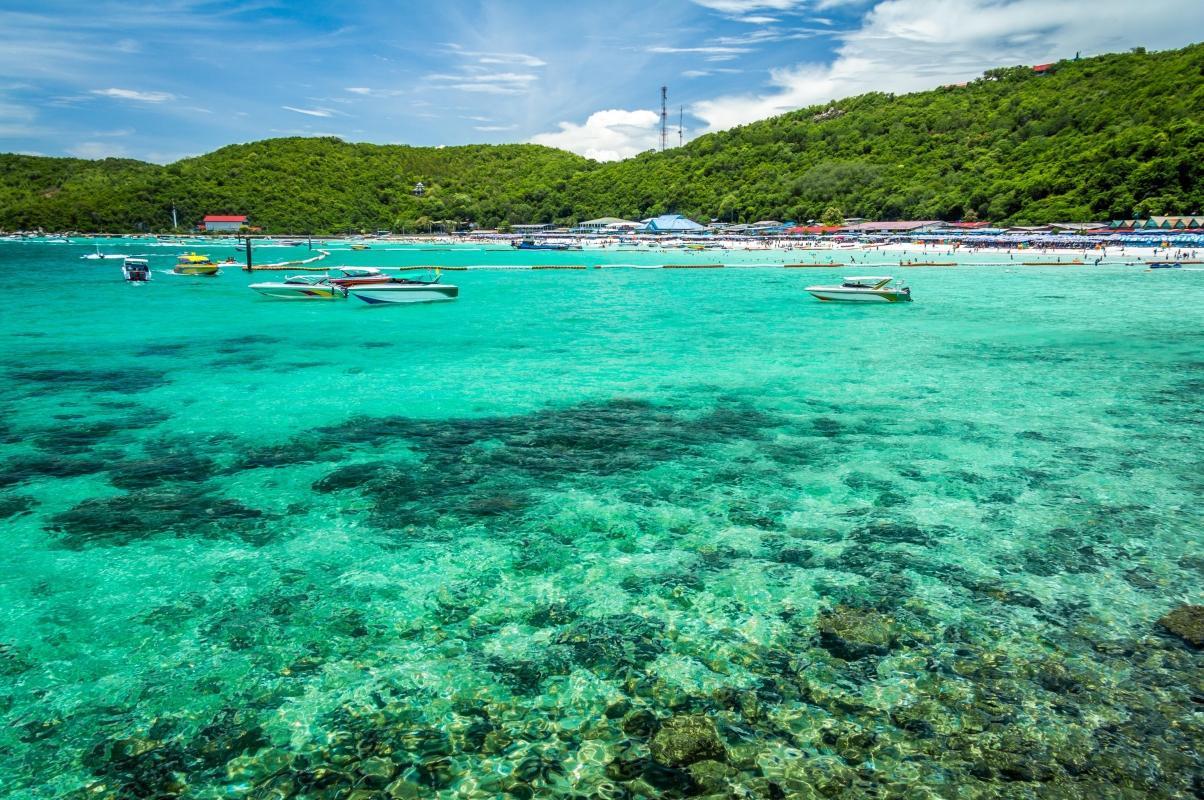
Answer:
(357, 276)
(136, 270)
(864, 289)
(195, 264)
(531, 244)
(405, 290)
(301, 287)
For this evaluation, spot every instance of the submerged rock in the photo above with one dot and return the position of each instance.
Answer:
(142, 514)
(686, 739)
(14, 505)
(854, 633)
(1186, 622)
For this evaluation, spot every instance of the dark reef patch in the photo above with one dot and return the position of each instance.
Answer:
(21, 469)
(485, 467)
(117, 381)
(15, 505)
(164, 461)
(181, 512)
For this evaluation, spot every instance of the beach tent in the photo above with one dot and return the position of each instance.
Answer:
(672, 223)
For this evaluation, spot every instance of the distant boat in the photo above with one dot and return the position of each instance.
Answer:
(136, 270)
(195, 264)
(361, 247)
(99, 256)
(301, 287)
(531, 244)
(865, 289)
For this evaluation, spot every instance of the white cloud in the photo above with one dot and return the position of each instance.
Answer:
(485, 82)
(708, 50)
(93, 150)
(757, 20)
(518, 59)
(607, 135)
(365, 91)
(310, 112)
(134, 94)
(493, 128)
(745, 6)
(908, 45)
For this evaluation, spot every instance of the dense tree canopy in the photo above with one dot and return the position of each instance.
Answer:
(1099, 138)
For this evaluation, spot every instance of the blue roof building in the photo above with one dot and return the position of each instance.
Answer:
(672, 223)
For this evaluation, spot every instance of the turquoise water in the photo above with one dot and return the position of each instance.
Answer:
(504, 546)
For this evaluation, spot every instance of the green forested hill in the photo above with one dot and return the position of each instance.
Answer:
(298, 185)
(1094, 139)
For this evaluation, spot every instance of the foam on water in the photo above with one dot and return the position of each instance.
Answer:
(612, 533)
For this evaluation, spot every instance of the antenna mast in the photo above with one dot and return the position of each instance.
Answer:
(664, 116)
(681, 112)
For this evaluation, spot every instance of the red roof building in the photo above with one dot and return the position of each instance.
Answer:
(218, 222)
(1043, 68)
(804, 230)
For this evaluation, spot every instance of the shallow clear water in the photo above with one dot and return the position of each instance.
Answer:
(494, 547)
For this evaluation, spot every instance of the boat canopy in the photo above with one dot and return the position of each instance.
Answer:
(867, 282)
(355, 272)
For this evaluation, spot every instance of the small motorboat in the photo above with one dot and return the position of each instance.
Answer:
(99, 256)
(405, 290)
(195, 264)
(136, 270)
(357, 276)
(301, 287)
(864, 289)
(1164, 265)
(361, 247)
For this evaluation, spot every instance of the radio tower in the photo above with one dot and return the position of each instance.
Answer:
(681, 112)
(664, 116)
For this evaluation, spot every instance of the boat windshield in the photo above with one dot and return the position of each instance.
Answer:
(871, 282)
(305, 279)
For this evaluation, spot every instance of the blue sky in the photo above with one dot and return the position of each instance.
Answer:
(179, 78)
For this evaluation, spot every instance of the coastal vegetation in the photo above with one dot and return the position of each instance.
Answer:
(1097, 138)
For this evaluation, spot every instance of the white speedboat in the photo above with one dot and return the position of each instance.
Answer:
(301, 287)
(136, 270)
(865, 289)
(404, 290)
(99, 256)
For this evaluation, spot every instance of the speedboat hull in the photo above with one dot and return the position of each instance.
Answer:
(382, 293)
(838, 294)
(195, 269)
(294, 291)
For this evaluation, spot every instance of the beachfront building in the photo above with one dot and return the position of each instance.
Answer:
(529, 229)
(606, 225)
(1194, 222)
(223, 223)
(671, 223)
(903, 226)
